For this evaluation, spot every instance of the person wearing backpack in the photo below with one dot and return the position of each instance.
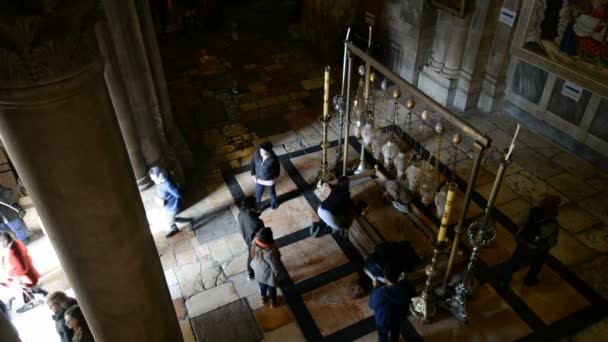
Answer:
(267, 265)
(390, 303)
(249, 225)
(537, 234)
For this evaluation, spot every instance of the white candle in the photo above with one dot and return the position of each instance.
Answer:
(326, 93)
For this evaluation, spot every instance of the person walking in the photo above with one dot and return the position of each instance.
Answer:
(249, 224)
(265, 168)
(538, 233)
(267, 265)
(168, 196)
(390, 303)
(74, 320)
(19, 270)
(11, 216)
(338, 210)
(58, 303)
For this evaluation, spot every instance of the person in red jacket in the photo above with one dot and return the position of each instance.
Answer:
(18, 269)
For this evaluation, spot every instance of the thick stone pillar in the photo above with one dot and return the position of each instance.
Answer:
(60, 130)
(493, 85)
(440, 42)
(177, 143)
(439, 78)
(122, 107)
(7, 331)
(123, 24)
(475, 55)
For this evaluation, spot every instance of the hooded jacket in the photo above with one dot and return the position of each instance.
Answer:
(266, 264)
(391, 303)
(268, 169)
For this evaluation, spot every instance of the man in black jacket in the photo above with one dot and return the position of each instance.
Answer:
(537, 234)
(265, 168)
(249, 224)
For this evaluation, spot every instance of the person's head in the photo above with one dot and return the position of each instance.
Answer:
(343, 183)
(266, 149)
(58, 301)
(265, 236)
(249, 204)
(157, 174)
(5, 239)
(391, 273)
(74, 317)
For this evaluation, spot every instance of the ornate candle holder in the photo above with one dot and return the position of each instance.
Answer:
(324, 174)
(367, 134)
(359, 104)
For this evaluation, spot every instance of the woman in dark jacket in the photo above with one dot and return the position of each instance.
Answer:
(74, 319)
(59, 302)
(265, 168)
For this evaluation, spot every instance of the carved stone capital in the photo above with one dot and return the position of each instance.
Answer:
(43, 41)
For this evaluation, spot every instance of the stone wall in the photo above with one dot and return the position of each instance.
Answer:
(324, 22)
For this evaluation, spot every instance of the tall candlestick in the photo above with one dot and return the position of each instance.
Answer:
(447, 211)
(326, 93)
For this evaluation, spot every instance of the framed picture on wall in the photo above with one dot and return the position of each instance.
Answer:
(456, 7)
(568, 38)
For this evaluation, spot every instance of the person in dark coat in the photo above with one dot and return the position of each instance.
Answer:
(267, 265)
(265, 168)
(10, 217)
(390, 303)
(168, 195)
(74, 319)
(59, 302)
(338, 210)
(249, 224)
(538, 232)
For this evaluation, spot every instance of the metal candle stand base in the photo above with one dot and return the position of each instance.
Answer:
(425, 305)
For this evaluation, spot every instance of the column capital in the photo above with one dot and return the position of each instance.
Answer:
(45, 41)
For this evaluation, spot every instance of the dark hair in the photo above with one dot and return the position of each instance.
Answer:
(248, 203)
(266, 146)
(265, 236)
(75, 312)
(391, 273)
(6, 236)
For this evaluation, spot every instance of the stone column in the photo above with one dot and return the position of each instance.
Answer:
(177, 143)
(60, 130)
(123, 24)
(457, 37)
(7, 331)
(440, 42)
(475, 55)
(122, 107)
(493, 85)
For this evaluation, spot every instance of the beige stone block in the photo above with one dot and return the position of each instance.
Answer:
(211, 299)
(505, 194)
(212, 277)
(203, 252)
(168, 259)
(575, 165)
(595, 238)
(515, 209)
(236, 265)
(290, 332)
(183, 245)
(236, 244)
(219, 250)
(188, 275)
(170, 277)
(175, 291)
(186, 257)
(531, 187)
(574, 188)
(570, 251)
(597, 206)
(180, 309)
(575, 219)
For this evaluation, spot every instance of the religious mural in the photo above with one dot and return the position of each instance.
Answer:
(572, 33)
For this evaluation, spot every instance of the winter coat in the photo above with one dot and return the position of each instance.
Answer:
(341, 206)
(249, 224)
(18, 265)
(266, 264)
(268, 169)
(83, 334)
(539, 229)
(168, 192)
(64, 332)
(391, 303)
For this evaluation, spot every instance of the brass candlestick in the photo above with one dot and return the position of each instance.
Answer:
(324, 174)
